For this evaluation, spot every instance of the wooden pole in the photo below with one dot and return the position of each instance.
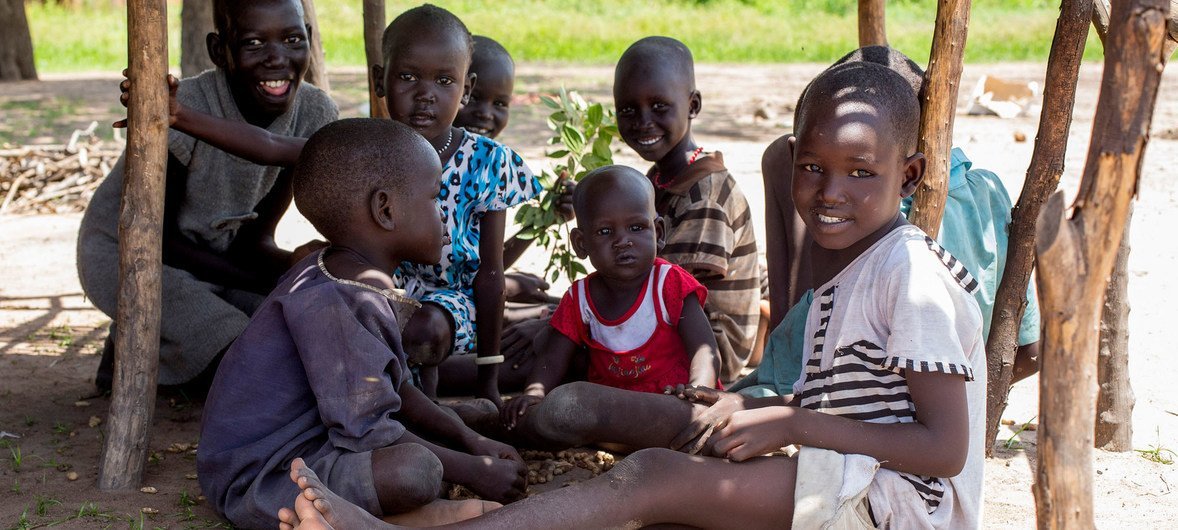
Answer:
(1114, 399)
(196, 22)
(942, 81)
(1077, 255)
(317, 69)
(140, 227)
(871, 23)
(374, 21)
(1043, 174)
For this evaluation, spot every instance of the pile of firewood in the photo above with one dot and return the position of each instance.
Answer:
(55, 178)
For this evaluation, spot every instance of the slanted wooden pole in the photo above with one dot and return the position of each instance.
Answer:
(1077, 254)
(871, 23)
(140, 226)
(374, 19)
(317, 69)
(942, 81)
(1043, 174)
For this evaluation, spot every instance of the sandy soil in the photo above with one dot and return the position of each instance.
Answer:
(49, 334)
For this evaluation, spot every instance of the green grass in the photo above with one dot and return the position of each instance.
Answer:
(93, 37)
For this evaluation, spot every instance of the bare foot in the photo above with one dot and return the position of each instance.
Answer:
(318, 508)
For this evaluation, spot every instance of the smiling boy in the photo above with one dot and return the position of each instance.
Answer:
(709, 232)
(219, 253)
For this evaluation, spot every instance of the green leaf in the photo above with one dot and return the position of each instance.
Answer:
(559, 154)
(601, 148)
(573, 139)
(596, 113)
(557, 120)
(550, 103)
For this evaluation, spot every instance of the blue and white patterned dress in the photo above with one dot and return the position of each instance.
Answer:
(482, 176)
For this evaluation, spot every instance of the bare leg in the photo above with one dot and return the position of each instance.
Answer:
(651, 487)
(581, 413)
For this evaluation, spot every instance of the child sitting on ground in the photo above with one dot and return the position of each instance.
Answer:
(640, 318)
(888, 412)
(219, 254)
(974, 228)
(709, 232)
(319, 372)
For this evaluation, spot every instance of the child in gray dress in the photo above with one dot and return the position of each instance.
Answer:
(319, 373)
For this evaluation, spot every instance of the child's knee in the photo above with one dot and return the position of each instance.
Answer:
(406, 476)
(428, 336)
(567, 413)
(646, 464)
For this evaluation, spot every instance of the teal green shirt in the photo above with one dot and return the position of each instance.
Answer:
(975, 229)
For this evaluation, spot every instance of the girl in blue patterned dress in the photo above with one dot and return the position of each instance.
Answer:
(424, 80)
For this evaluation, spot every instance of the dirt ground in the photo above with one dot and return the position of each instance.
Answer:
(52, 424)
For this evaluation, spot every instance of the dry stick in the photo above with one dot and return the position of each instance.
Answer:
(942, 81)
(12, 191)
(373, 29)
(317, 70)
(1077, 254)
(140, 228)
(1043, 174)
(871, 23)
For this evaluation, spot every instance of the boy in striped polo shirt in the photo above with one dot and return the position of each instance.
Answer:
(709, 232)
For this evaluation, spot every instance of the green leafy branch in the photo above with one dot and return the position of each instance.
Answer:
(582, 135)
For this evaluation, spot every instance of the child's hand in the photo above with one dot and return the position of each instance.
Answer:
(499, 479)
(515, 408)
(483, 446)
(525, 288)
(698, 434)
(752, 433)
(564, 203)
(173, 105)
(518, 343)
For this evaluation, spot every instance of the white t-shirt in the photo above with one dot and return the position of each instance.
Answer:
(904, 304)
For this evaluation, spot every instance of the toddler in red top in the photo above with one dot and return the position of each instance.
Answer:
(640, 318)
(641, 350)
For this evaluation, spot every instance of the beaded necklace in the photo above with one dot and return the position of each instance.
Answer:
(387, 293)
(448, 140)
(658, 176)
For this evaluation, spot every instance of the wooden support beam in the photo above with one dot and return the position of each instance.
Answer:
(1114, 400)
(1043, 174)
(140, 227)
(317, 69)
(374, 22)
(871, 23)
(942, 81)
(1079, 252)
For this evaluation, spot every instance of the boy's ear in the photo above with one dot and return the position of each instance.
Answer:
(377, 73)
(578, 239)
(914, 168)
(471, 79)
(694, 105)
(660, 233)
(216, 48)
(380, 207)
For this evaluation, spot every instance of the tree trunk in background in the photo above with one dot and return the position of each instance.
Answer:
(1043, 173)
(374, 16)
(1079, 250)
(16, 44)
(1114, 401)
(141, 215)
(941, 81)
(317, 71)
(196, 22)
(871, 23)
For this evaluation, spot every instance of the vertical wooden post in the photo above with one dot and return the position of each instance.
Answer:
(1043, 174)
(317, 69)
(196, 21)
(871, 23)
(140, 227)
(1079, 252)
(942, 81)
(1114, 399)
(374, 20)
